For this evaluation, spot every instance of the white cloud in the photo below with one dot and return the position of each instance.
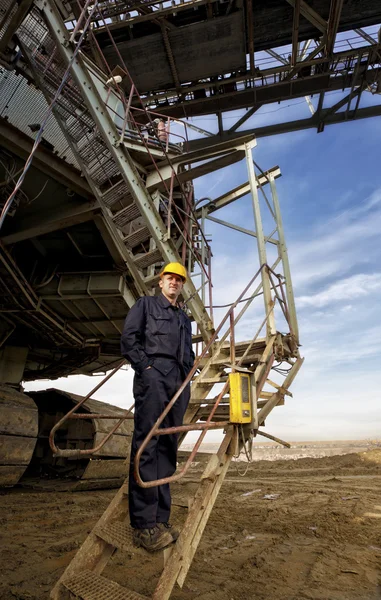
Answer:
(356, 286)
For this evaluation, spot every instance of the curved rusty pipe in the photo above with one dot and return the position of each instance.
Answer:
(72, 453)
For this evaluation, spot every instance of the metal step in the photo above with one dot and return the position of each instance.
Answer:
(148, 259)
(126, 215)
(212, 380)
(252, 357)
(88, 586)
(103, 169)
(117, 193)
(197, 338)
(117, 534)
(137, 237)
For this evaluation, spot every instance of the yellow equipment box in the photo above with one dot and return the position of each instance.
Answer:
(240, 398)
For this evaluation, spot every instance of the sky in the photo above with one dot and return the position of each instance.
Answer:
(330, 197)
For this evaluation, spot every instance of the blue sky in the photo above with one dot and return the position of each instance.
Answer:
(330, 196)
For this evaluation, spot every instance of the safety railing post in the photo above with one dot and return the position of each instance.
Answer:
(261, 243)
(282, 250)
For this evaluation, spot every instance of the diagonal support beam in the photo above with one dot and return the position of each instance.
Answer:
(311, 15)
(356, 92)
(295, 33)
(300, 64)
(244, 118)
(170, 57)
(365, 36)
(333, 24)
(15, 23)
(250, 34)
(237, 192)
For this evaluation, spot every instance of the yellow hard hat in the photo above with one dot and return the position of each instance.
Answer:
(176, 268)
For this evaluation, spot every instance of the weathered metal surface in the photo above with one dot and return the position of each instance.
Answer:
(83, 485)
(16, 450)
(94, 552)
(89, 586)
(106, 469)
(18, 434)
(117, 445)
(117, 533)
(10, 475)
(198, 52)
(18, 422)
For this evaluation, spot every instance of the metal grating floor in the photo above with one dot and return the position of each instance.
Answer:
(148, 259)
(136, 237)
(118, 534)
(89, 586)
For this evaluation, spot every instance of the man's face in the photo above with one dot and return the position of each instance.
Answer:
(171, 286)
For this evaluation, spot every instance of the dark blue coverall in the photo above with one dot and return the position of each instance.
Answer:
(159, 335)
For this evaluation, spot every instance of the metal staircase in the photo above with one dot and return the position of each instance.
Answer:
(149, 226)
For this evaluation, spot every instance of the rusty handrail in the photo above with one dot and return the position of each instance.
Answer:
(70, 415)
(203, 427)
(192, 427)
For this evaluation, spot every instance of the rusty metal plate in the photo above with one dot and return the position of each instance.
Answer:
(10, 475)
(106, 469)
(16, 450)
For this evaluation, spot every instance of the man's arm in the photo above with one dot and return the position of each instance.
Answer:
(131, 340)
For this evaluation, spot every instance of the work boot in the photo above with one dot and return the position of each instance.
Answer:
(167, 527)
(152, 539)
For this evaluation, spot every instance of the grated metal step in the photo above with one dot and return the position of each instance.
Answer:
(148, 259)
(117, 193)
(88, 586)
(117, 534)
(137, 237)
(126, 215)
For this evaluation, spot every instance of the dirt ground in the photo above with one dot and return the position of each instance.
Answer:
(317, 535)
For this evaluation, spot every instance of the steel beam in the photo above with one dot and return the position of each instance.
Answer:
(365, 36)
(237, 192)
(311, 15)
(47, 222)
(243, 119)
(282, 84)
(301, 124)
(14, 23)
(89, 80)
(152, 16)
(170, 57)
(261, 243)
(240, 229)
(295, 33)
(333, 24)
(44, 160)
(250, 34)
(283, 254)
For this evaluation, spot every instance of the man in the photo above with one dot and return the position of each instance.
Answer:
(157, 341)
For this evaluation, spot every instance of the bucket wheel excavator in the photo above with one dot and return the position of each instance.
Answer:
(117, 202)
